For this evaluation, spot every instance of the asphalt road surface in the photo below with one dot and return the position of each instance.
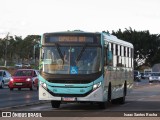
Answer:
(16, 98)
(25, 97)
(144, 99)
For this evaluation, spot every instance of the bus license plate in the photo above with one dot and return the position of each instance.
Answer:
(68, 98)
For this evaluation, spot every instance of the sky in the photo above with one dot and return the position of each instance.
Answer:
(35, 17)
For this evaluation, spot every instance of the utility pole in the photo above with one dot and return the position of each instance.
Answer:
(6, 44)
(34, 54)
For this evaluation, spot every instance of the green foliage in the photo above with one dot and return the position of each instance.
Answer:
(18, 48)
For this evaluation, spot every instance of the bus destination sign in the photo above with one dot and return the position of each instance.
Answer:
(68, 39)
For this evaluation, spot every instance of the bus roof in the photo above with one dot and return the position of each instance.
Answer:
(72, 32)
(113, 39)
(107, 37)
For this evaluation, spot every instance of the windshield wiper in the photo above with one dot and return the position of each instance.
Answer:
(59, 51)
(80, 54)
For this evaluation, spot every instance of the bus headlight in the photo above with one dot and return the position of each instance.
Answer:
(44, 85)
(95, 86)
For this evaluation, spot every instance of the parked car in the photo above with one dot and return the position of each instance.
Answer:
(4, 78)
(142, 75)
(26, 65)
(147, 75)
(155, 76)
(24, 78)
(137, 75)
(18, 65)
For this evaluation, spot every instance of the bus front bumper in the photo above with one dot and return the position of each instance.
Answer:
(95, 96)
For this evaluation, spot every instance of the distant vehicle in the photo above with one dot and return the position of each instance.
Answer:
(137, 75)
(18, 65)
(147, 73)
(24, 78)
(142, 75)
(26, 65)
(4, 78)
(147, 70)
(155, 76)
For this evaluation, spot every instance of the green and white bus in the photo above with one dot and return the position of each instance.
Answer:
(77, 66)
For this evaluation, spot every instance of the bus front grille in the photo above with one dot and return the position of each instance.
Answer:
(69, 81)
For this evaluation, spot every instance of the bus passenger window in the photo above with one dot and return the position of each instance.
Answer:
(105, 56)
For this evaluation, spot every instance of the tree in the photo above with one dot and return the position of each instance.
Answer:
(146, 46)
(28, 47)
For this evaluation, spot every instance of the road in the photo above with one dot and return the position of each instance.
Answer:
(26, 97)
(144, 97)
(17, 98)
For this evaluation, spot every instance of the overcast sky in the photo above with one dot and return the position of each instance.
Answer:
(28, 17)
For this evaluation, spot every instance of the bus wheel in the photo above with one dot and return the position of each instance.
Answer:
(109, 93)
(122, 100)
(102, 105)
(55, 104)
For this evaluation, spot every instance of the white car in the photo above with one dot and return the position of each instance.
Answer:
(4, 78)
(26, 65)
(147, 75)
(18, 65)
(155, 76)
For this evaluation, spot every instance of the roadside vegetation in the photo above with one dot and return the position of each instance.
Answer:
(15, 49)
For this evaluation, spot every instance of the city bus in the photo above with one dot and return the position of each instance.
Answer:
(85, 67)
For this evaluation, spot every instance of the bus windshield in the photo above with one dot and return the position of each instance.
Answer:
(60, 59)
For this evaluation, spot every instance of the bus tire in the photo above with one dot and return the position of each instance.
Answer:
(109, 93)
(102, 105)
(121, 100)
(55, 104)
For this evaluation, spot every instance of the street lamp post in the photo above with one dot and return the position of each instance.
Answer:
(6, 44)
(34, 54)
